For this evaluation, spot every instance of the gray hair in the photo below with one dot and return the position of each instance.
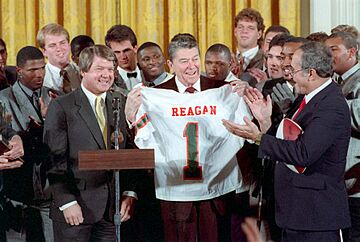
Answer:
(181, 41)
(318, 57)
(88, 54)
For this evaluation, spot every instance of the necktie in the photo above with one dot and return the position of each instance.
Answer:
(100, 116)
(66, 81)
(301, 107)
(190, 90)
(340, 80)
(131, 74)
(35, 100)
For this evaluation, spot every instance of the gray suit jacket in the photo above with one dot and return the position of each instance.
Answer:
(351, 91)
(19, 183)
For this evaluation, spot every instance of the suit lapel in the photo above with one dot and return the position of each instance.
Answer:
(350, 83)
(88, 116)
(25, 106)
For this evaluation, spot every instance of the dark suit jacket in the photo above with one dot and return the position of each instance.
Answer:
(182, 210)
(315, 200)
(70, 127)
(256, 62)
(9, 78)
(19, 182)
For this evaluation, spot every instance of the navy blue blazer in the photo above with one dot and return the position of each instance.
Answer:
(315, 200)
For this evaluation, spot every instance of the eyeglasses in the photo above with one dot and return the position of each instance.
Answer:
(293, 72)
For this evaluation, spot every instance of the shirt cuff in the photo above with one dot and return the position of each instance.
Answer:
(65, 206)
(130, 194)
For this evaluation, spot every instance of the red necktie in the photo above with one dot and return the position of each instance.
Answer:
(190, 90)
(301, 107)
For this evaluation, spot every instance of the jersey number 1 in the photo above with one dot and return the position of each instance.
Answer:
(192, 171)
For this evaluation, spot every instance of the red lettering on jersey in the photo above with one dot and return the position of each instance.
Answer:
(205, 110)
(175, 112)
(190, 112)
(197, 110)
(212, 110)
(194, 111)
(182, 111)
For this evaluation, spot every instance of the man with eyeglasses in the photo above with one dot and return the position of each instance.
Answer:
(310, 194)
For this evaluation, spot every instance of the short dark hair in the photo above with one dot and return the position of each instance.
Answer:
(317, 36)
(147, 45)
(277, 29)
(279, 40)
(119, 33)
(295, 39)
(318, 57)
(221, 49)
(28, 53)
(88, 54)
(2, 43)
(181, 41)
(79, 43)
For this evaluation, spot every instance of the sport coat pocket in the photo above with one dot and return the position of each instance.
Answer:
(308, 182)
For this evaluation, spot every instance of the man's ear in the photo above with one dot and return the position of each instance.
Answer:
(352, 52)
(170, 65)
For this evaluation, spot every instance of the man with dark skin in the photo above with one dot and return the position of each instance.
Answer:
(152, 64)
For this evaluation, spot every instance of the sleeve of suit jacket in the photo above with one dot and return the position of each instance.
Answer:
(56, 138)
(328, 124)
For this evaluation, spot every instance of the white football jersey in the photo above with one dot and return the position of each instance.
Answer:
(194, 153)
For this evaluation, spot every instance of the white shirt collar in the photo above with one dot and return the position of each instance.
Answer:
(350, 71)
(181, 87)
(231, 77)
(91, 96)
(130, 82)
(309, 96)
(248, 55)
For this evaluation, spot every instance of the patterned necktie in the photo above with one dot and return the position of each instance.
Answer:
(66, 81)
(190, 90)
(35, 99)
(100, 116)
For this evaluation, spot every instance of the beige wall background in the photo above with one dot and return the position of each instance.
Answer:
(210, 21)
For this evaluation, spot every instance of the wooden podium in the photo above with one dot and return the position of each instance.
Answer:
(121, 159)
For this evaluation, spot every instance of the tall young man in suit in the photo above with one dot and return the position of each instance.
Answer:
(54, 40)
(345, 49)
(122, 40)
(249, 28)
(83, 120)
(311, 204)
(26, 101)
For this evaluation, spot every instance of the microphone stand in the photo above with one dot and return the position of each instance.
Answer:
(117, 215)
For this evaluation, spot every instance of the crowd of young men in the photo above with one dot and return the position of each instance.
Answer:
(215, 135)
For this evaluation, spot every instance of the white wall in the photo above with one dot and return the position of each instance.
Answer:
(326, 14)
